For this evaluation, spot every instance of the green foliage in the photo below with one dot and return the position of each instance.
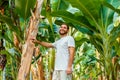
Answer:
(93, 17)
(97, 17)
(59, 5)
(10, 72)
(10, 23)
(69, 17)
(85, 62)
(89, 8)
(112, 4)
(45, 32)
(78, 36)
(3, 3)
(24, 7)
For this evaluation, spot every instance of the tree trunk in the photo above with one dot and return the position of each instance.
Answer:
(40, 69)
(27, 50)
(37, 68)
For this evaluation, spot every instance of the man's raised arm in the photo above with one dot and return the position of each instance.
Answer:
(45, 44)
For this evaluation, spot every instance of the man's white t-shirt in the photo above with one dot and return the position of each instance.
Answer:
(62, 52)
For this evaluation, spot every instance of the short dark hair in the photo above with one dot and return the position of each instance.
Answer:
(66, 25)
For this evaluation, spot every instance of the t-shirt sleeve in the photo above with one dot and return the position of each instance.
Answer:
(71, 41)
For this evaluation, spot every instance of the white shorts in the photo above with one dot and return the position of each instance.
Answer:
(61, 75)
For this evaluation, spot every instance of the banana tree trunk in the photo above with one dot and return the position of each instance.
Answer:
(115, 71)
(51, 59)
(37, 70)
(37, 67)
(100, 77)
(40, 69)
(27, 51)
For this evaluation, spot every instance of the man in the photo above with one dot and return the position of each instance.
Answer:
(65, 50)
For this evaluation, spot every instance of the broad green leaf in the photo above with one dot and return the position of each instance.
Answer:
(107, 10)
(78, 35)
(59, 5)
(78, 60)
(113, 5)
(80, 42)
(45, 32)
(106, 16)
(70, 18)
(97, 42)
(89, 8)
(24, 7)
(84, 30)
(92, 8)
(49, 18)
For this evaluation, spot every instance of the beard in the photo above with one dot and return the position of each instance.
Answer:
(63, 32)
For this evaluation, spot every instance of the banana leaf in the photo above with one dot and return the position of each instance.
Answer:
(24, 7)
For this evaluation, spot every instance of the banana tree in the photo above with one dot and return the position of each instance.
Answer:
(28, 49)
(14, 24)
(18, 24)
(97, 17)
(85, 63)
(7, 44)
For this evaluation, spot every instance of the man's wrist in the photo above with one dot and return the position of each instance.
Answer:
(70, 67)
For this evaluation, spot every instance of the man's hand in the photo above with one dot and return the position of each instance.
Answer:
(34, 40)
(69, 71)
(45, 44)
